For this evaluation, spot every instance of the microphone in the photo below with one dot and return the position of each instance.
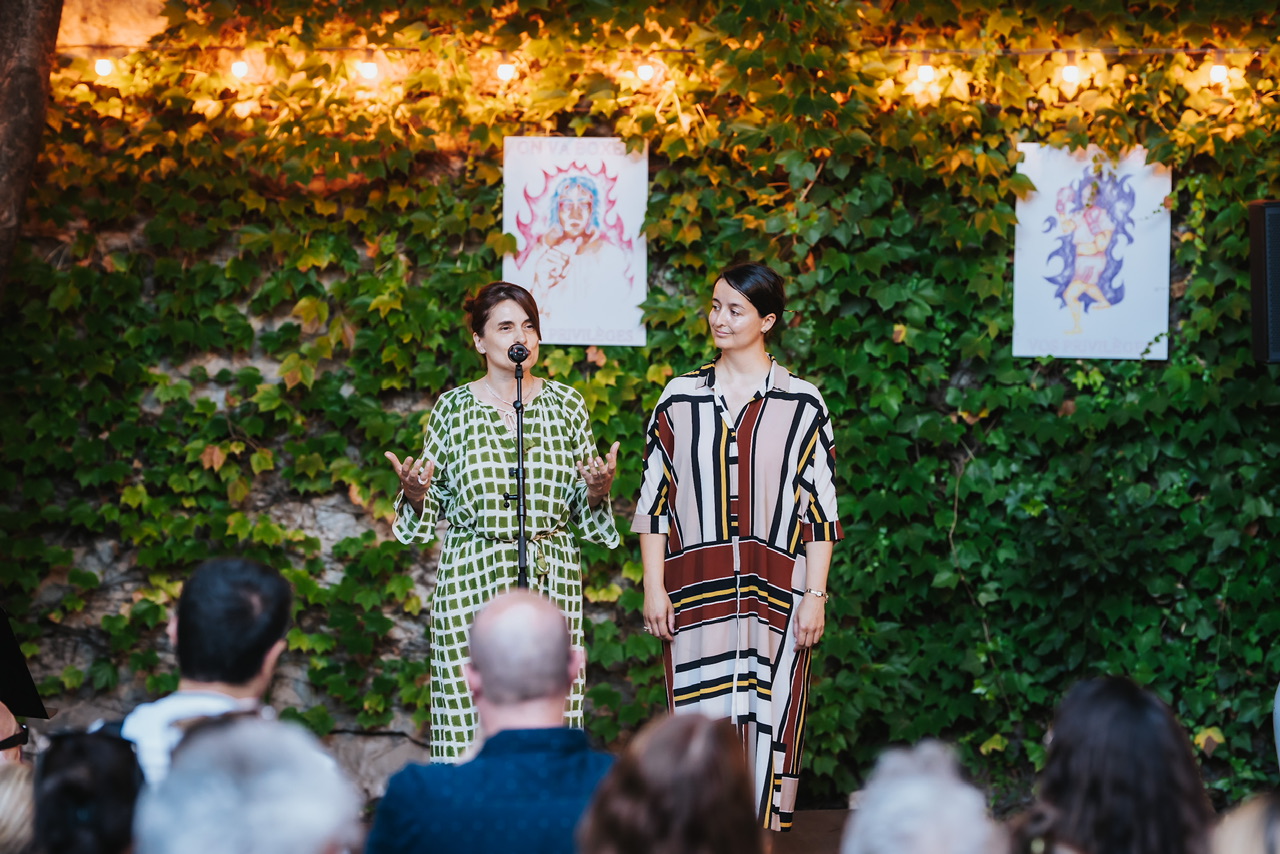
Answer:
(518, 353)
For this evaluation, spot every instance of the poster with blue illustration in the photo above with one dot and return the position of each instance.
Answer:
(1091, 256)
(576, 207)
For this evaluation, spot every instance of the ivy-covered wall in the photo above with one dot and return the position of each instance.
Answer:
(235, 295)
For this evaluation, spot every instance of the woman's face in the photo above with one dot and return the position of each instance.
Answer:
(507, 324)
(735, 322)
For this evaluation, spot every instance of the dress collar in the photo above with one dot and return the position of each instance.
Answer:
(779, 378)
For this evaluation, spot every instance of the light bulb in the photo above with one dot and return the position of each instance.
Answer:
(368, 70)
(645, 72)
(1218, 73)
(104, 67)
(925, 73)
(506, 71)
(1071, 73)
(240, 69)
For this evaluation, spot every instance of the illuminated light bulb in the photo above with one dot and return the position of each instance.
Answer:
(925, 73)
(1071, 71)
(506, 71)
(645, 72)
(1218, 71)
(240, 68)
(104, 67)
(368, 70)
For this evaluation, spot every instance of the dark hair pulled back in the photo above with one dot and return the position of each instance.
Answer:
(479, 306)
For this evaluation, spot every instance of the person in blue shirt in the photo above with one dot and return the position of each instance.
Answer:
(531, 780)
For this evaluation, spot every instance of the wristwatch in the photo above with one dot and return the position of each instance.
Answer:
(821, 594)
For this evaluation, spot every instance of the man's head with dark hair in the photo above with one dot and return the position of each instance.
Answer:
(231, 615)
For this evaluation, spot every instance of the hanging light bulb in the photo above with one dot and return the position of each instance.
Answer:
(506, 71)
(104, 67)
(925, 72)
(240, 69)
(1218, 71)
(645, 72)
(368, 67)
(1071, 71)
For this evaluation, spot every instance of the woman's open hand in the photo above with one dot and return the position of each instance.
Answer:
(598, 473)
(415, 478)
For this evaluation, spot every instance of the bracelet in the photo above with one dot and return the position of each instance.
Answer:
(821, 594)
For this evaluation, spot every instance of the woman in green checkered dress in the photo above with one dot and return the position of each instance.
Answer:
(462, 473)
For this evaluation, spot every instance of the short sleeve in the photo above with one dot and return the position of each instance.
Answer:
(817, 476)
(653, 509)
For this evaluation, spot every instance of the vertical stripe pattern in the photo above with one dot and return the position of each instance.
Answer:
(738, 499)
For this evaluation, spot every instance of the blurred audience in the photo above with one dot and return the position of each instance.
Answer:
(244, 785)
(681, 787)
(85, 788)
(17, 808)
(530, 782)
(1251, 828)
(916, 802)
(1120, 775)
(228, 633)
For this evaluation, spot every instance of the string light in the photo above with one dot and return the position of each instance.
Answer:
(1218, 71)
(368, 66)
(240, 69)
(506, 71)
(1071, 71)
(104, 67)
(925, 72)
(645, 72)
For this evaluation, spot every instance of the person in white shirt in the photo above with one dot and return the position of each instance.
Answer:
(228, 632)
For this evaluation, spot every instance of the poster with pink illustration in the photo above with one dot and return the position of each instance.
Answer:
(576, 206)
(1091, 256)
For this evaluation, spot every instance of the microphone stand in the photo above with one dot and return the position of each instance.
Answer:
(518, 353)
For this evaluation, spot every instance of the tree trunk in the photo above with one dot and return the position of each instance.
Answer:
(28, 37)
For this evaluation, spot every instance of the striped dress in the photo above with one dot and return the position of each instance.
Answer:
(738, 500)
(474, 450)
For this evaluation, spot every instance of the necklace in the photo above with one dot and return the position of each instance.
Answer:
(507, 411)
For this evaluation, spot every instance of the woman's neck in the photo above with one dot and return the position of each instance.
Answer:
(503, 383)
(744, 365)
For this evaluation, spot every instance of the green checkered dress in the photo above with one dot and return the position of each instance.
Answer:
(474, 450)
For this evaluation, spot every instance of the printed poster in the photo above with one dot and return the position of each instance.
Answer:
(576, 207)
(1091, 256)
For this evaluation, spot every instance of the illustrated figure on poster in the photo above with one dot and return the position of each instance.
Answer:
(577, 259)
(1093, 215)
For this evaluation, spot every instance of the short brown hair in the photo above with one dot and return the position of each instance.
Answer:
(479, 306)
(681, 787)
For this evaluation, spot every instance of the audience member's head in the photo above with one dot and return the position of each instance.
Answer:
(1251, 828)
(1121, 775)
(12, 736)
(681, 787)
(916, 802)
(244, 785)
(17, 808)
(522, 666)
(85, 789)
(231, 622)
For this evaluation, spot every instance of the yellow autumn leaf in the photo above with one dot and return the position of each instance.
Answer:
(1209, 738)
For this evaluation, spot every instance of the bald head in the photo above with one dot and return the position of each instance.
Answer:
(520, 649)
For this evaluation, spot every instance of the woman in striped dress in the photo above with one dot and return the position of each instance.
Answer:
(737, 518)
(462, 473)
